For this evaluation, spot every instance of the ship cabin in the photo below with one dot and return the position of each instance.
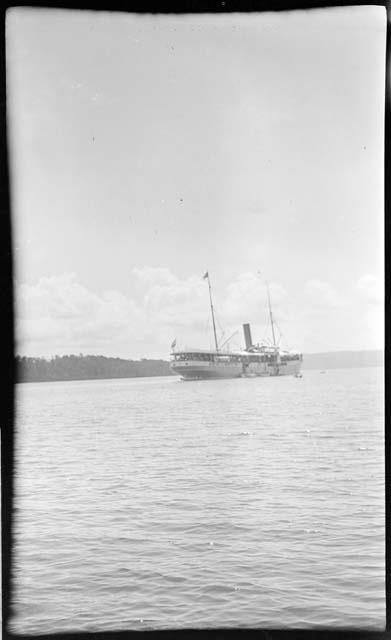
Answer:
(262, 353)
(204, 356)
(269, 355)
(287, 356)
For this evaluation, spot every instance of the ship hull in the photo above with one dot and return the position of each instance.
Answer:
(206, 371)
(264, 369)
(204, 365)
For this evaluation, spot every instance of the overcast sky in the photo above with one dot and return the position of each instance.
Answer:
(145, 150)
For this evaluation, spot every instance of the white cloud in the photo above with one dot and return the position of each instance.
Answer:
(169, 300)
(371, 289)
(246, 299)
(321, 295)
(59, 315)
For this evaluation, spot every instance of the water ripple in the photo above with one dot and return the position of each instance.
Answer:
(150, 505)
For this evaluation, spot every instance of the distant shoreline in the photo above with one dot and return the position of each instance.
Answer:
(86, 367)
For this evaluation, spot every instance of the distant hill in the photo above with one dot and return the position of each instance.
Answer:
(343, 359)
(83, 367)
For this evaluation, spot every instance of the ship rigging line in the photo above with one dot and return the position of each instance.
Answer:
(212, 310)
(231, 336)
(271, 315)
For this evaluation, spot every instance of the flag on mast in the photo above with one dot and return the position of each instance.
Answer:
(206, 275)
(173, 344)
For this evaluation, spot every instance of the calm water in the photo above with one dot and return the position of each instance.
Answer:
(154, 503)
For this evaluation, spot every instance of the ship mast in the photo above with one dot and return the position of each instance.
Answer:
(271, 315)
(212, 310)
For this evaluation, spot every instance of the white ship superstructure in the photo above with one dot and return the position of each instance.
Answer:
(266, 360)
(261, 360)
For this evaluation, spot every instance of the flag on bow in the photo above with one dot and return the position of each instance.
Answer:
(205, 276)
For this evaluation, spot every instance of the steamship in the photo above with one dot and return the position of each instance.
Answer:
(254, 360)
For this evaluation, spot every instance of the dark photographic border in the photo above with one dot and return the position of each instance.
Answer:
(7, 326)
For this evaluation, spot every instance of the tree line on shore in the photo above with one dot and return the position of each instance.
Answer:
(85, 367)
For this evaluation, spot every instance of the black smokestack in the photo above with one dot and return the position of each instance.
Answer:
(247, 335)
